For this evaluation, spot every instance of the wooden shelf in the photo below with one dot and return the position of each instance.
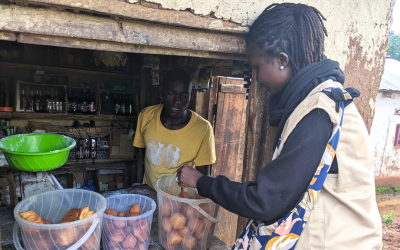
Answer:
(69, 70)
(6, 115)
(89, 162)
(33, 115)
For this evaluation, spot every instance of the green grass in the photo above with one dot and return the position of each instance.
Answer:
(382, 189)
(388, 218)
(397, 189)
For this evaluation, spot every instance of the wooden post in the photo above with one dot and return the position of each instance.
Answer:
(259, 137)
(202, 102)
(229, 146)
(11, 186)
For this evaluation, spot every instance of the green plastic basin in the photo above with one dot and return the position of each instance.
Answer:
(36, 152)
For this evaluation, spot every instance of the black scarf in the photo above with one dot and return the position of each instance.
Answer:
(303, 82)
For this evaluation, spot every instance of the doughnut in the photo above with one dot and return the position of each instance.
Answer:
(135, 209)
(110, 212)
(178, 221)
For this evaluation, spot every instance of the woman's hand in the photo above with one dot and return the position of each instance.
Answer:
(188, 177)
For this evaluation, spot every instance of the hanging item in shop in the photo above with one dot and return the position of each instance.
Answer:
(110, 59)
(202, 78)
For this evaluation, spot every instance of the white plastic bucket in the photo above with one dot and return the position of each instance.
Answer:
(127, 232)
(82, 234)
(197, 217)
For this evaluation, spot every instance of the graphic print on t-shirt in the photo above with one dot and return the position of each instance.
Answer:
(161, 155)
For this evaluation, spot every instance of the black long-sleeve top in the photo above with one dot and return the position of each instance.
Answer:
(280, 185)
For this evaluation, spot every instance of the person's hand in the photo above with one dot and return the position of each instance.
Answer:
(188, 176)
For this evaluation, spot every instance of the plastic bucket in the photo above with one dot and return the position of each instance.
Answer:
(36, 152)
(184, 223)
(83, 234)
(128, 232)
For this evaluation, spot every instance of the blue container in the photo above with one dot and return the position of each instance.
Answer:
(90, 183)
(86, 187)
(93, 188)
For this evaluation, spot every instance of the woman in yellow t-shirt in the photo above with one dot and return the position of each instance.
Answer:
(172, 134)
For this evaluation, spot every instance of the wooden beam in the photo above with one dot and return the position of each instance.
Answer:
(227, 88)
(67, 24)
(8, 36)
(136, 11)
(121, 47)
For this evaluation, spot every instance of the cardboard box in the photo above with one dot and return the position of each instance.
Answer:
(120, 185)
(112, 185)
(118, 179)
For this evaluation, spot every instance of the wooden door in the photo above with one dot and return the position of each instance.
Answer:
(229, 124)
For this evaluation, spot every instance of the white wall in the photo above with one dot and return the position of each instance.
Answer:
(386, 156)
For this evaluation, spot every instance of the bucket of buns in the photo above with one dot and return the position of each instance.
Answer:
(63, 219)
(186, 220)
(127, 222)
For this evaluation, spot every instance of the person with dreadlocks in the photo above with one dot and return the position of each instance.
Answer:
(318, 191)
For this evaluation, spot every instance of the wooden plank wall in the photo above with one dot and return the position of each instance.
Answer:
(229, 145)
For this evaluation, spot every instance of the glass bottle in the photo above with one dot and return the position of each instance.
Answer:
(73, 101)
(30, 100)
(42, 100)
(122, 102)
(85, 102)
(92, 109)
(116, 106)
(37, 100)
(79, 104)
(23, 100)
(130, 105)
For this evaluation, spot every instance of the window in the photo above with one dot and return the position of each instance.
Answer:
(397, 137)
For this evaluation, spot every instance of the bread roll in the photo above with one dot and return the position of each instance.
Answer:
(84, 213)
(47, 222)
(184, 231)
(135, 209)
(166, 225)
(174, 238)
(198, 236)
(64, 237)
(130, 242)
(196, 225)
(116, 235)
(110, 212)
(31, 216)
(91, 243)
(122, 214)
(119, 223)
(141, 230)
(189, 242)
(185, 195)
(166, 208)
(178, 221)
(71, 215)
(131, 222)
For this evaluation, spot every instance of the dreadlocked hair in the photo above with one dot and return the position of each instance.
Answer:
(296, 29)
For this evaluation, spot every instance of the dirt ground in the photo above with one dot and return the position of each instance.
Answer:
(387, 202)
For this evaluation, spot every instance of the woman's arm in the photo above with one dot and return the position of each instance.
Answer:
(280, 185)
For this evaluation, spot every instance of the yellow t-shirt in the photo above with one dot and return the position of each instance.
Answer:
(168, 150)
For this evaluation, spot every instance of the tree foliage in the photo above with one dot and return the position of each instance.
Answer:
(394, 46)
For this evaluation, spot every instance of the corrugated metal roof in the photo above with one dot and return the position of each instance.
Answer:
(391, 76)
